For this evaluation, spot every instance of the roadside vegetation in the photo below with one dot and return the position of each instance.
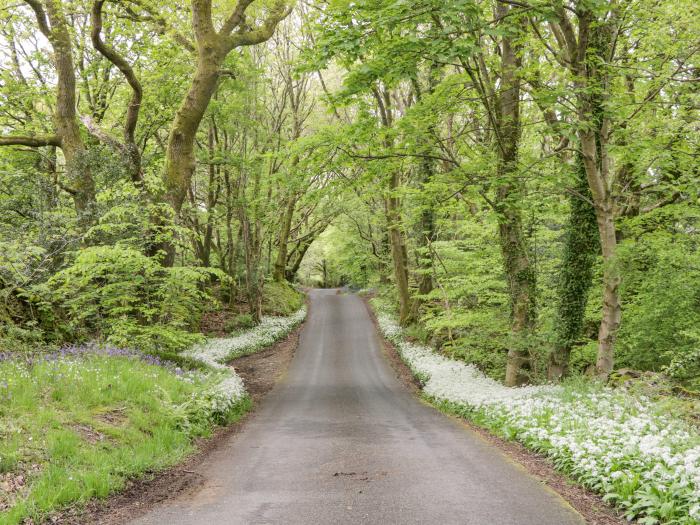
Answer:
(78, 423)
(628, 447)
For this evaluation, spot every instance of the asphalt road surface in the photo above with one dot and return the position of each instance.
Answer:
(340, 440)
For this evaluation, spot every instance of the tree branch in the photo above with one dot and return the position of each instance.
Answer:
(100, 134)
(33, 142)
(236, 18)
(163, 26)
(115, 58)
(40, 16)
(262, 33)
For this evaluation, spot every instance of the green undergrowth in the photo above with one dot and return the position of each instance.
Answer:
(281, 299)
(78, 428)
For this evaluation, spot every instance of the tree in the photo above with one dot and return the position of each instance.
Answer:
(51, 21)
(212, 48)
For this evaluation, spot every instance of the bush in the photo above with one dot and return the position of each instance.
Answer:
(239, 322)
(14, 338)
(661, 303)
(121, 296)
(281, 299)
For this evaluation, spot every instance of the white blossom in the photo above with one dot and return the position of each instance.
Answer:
(227, 393)
(216, 351)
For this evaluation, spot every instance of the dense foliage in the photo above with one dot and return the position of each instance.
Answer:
(565, 245)
(522, 177)
(519, 179)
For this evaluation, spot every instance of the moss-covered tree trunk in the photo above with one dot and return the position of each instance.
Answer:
(397, 242)
(179, 157)
(51, 20)
(66, 118)
(212, 49)
(519, 270)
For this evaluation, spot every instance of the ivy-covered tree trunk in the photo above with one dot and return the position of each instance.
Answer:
(581, 248)
(521, 279)
(427, 232)
(425, 280)
(594, 136)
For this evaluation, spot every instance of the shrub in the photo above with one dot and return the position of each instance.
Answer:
(661, 293)
(239, 322)
(121, 296)
(281, 299)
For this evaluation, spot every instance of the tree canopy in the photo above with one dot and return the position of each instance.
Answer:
(520, 178)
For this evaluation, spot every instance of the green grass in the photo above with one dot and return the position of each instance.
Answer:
(78, 429)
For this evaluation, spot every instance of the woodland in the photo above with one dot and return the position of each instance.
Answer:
(518, 181)
(519, 176)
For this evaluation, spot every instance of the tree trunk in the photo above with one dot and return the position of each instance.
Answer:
(382, 261)
(521, 286)
(519, 270)
(594, 135)
(598, 173)
(293, 268)
(398, 253)
(280, 271)
(581, 247)
(52, 23)
(612, 308)
(179, 155)
(427, 233)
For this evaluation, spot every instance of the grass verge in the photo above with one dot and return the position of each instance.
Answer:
(77, 427)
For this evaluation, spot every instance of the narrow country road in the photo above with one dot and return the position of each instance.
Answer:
(341, 441)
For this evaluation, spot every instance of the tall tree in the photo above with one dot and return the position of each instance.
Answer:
(212, 48)
(51, 21)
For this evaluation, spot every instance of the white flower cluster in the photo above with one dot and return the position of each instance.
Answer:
(215, 352)
(225, 395)
(620, 445)
(220, 399)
